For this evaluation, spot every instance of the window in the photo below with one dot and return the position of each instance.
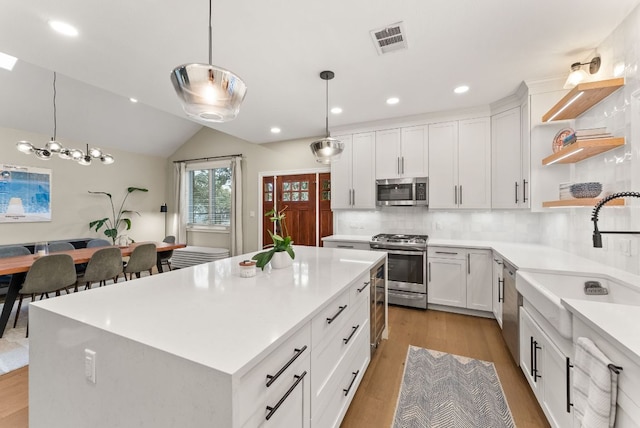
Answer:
(209, 196)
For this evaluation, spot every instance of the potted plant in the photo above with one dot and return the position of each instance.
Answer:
(281, 245)
(115, 222)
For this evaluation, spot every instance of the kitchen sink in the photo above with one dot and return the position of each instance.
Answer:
(545, 291)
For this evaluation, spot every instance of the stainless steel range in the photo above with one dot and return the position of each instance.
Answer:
(407, 267)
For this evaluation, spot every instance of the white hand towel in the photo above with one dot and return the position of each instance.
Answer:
(595, 386)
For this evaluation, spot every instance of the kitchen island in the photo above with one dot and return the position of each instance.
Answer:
(203, 346)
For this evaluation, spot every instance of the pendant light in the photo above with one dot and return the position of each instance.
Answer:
(54, 146)
(208, 92)
(327, 148)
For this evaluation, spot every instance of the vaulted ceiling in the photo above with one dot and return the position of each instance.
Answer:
(128, 48)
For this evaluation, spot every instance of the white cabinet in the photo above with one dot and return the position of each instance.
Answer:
(545, 368)
(479, 280)
(351, 245)
(498, 288)
(459, 277)
(460, 164)
(510, 159)
(353, 174)
(402, 152)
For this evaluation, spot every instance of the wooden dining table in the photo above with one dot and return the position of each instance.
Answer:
(18, 267)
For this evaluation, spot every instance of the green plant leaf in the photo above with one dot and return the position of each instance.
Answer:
(97, 224)
(263, 258)
(133, 189)
(291, 253)
(111, 233)
(127, 222)
(101, 193)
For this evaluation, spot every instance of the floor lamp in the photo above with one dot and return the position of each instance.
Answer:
(163, 209)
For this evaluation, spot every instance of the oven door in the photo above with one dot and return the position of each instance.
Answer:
(406, 270)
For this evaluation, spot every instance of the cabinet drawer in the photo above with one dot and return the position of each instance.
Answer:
(447, 252)
(329, 354)
(360, 290)
(329, 411)
(277, 370)
(351, 245)
(331, 318)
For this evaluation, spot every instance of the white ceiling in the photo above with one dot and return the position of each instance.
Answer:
(128, 49)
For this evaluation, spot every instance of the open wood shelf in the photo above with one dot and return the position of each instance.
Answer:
(582, 98)
(580, 202)
(583, 149)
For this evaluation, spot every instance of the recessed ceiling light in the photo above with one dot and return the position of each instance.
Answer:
(7, 61)
(393, 100)
(336, 110)
(133, 100)
(275, 130)
(461, 89)
(63, 28)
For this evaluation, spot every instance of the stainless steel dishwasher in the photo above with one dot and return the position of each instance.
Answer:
(510, 311)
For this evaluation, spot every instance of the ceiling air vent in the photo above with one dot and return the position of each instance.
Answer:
(390, 38)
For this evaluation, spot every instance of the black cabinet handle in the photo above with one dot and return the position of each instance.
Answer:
(355, 376)
(524, 190)
(341, 308)
(516, 192)
(461, 194)
(272, 410)
(345, 246)
(352, 333)
(429, 272)
(536, 376)
(366, 284)
(272, 378)
(569, 403)
(447, 252)
(455, 195)
(469, 263)
(531, 356)
(500, 287)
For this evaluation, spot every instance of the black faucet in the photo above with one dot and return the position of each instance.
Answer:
(597, 239)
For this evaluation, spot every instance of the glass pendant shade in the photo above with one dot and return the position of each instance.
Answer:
(107, 159)
(575, 77)
(77, 154)
(207, 92)
(64, 153)
(25, 147)
(43, 154)
(95, 152)
(85, 160)
(53, 146)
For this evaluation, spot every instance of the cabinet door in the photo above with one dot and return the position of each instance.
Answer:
(443, 165)
(555, 385)
(525, 154)
(506, 184)
(447, 282)
(415, 152)
(363, 171)
(388, 156)
(530, 356)
(341, 176)
(479, 280)
(295, 410)
(474, 163)
(498, 289)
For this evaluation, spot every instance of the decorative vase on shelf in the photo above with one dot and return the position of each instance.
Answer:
(280, 260)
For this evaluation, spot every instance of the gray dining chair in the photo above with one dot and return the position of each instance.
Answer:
(105, 264)
(142, 259)
(98, 243)
(55, 247)
(48, 274)
(11, 251)
(164, 257)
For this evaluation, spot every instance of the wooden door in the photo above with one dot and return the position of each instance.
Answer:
(324, 206)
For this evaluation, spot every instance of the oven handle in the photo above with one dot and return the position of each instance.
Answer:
(401, 252)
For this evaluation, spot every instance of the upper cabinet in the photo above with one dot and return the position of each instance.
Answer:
(353, 174)
(510, 159)
(402, 152)
(460, 164)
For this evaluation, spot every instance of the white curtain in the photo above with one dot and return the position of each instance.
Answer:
(178, 225)
(236, 206)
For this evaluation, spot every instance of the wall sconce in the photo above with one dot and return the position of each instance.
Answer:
(577, 74)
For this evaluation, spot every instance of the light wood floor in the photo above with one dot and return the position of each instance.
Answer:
(375, 401)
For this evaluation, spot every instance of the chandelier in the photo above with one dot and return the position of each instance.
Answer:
(53, 146)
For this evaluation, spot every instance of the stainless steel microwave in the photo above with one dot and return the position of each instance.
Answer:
(403, 192)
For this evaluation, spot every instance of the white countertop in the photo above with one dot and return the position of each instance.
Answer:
(209, 314)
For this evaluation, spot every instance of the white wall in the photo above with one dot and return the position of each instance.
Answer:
(72, 207)
(280, 156)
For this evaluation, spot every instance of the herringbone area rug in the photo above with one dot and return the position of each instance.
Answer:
(446, 390)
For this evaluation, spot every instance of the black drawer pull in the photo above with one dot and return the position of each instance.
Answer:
(355, 376)
(446, 252)
(352, 333)
(500, 288)
(298, 352)
(568, 367)
(345, 246)
(536, 376)
(366, 284)
(341, 308)
(272, 410)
